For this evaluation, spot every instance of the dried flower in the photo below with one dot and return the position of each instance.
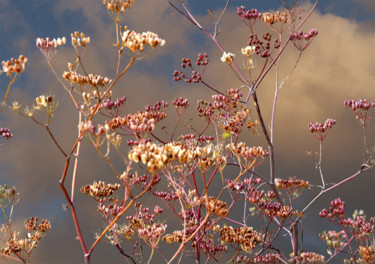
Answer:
(79, 39)
(228, 57)
(14, 65)
(138, 42)
(48, 47)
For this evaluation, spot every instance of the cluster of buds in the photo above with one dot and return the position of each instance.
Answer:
(362, 104)
(159, 105)
(14, 65)
(302, 40)
(336, 212)
(202, 60)
(244, 236)
(361, 108)
(100, 189)
(108, 104)
(91, 79)
(228, 57)
(5, 133)
(152, 234)
(263, 47)
(218, 207)
(138, 42)
(48, 47)
(181, 102)
(319, 129)
(250, 15)
(307, 257)
(79, 39)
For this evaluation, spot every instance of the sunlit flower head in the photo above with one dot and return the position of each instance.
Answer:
(228, 57)
(48, 47)
(79, 39)
(14, 65)
(138, 42)
(248, 51)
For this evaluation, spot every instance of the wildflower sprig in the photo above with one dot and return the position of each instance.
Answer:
(12, 68)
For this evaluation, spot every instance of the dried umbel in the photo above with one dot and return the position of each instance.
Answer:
(247, 153)
(228, 57)
(48, 47)
(118, 6)
(14, 65)
(302, 40)
(90, 79)
(79, 39)
(307, 257)
(244, 236)
(100, 189)
(152, 234)
(277, 17)
(138, 42)
(218, 207)
(8, 195)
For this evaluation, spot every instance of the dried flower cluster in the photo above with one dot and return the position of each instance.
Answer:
(79, 39)
(214, 205)
(91, 79)
(118, 6)
(246, 237)
(228, 57)
(138, 42)
(270, 19)
(14, 65)
(100, 189)
(308, 257)
(48, 47)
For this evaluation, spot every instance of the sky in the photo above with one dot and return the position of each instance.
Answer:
(338, 65)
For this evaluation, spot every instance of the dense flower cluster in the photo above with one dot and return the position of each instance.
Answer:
(138, 42)
(216, 206)
(5, 133)
(320, 130)
(307, 257)
(302, 40)
(14, 65)
(91, 79)
(269, 18)
(100, 189)
(79, 39)
(228, 57)
(48, 47)
(24, 246)
(118, 6)
(246, 237)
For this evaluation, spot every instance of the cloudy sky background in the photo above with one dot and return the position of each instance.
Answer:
(339, 65)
